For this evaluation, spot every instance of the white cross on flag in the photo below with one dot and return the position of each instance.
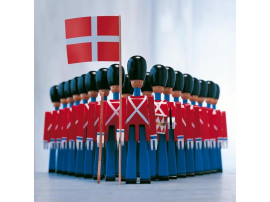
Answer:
(94, 38)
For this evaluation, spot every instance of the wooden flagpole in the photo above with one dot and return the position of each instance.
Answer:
(100, 136)
(120, 92)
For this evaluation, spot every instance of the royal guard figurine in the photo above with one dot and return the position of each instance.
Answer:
(73, 125)
(218, 130)
(103, 87)
(147, 90)
(170, 122)
(140, 122)
(198, 161)
(212, 88)
(127, 89)
(204, 126)
(66, 125)
(112, 129)
(63, 101)
(91, 88)
(159, 76)
(188, 132)
(56, 103)
(81, 122)
(177, 124)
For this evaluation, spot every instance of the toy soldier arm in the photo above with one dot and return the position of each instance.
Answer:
(47, 129)
(124, 103)
(152, 123)
(225, 135)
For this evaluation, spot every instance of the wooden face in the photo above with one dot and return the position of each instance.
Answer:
(167, 91)
(84, 96)
(214, 101)
(77, 97)
(63, 101)
(209, 100)
(176, 93)
(185, 96)
(126, 95)
(137, 83)
(201, 99)
(56, 104)
(93, 93)
(193, 98)
(70, 100)
(105, 91)
(158, 89)
(115, 88)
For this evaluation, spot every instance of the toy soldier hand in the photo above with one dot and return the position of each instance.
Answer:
(79, 143)
(99, 138)
(45, 145)
(180, 142)
(153, 141)
(122, 137)
(89, 143)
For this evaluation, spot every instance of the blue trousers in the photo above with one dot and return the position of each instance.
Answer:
(79, 162)
(110, 155)
(181, 161)
(59, 160)
(172, 155)
(219, 159)
(71, 159)
(102, 172)
(190, 160)
(206, 162)
(162, 155)
(198, 159)
(52, 160)
(153, 162)
(213, 158)
(65, 161)
(88, 162)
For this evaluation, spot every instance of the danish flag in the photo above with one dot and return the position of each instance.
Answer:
(94, 38)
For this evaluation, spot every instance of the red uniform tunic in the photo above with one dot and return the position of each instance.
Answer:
(179, 124)
(112, 117)
(140, 110)
(55, 127)
(224, 129)
(65, 122)
(48, 122)
(91, 133)
(218, 127)
(211, 124)
(161, 116)
(60, 127)
(189, 128)
(198, 130)
(81, 116)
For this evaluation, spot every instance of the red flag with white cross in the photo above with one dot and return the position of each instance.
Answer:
(94, 38)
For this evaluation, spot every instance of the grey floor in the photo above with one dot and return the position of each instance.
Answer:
(57, 187)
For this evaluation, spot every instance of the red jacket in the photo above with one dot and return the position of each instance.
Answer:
(161, 116)
(48, 122)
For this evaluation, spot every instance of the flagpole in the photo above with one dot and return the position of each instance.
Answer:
(100, 136)
(120, 92)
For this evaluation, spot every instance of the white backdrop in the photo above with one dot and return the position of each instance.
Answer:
(192, 36)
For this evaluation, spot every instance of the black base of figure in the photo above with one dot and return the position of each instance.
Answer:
(181, 175)
(213, 171)
(138, 175)
(142, 181)
(198, 173)
(110, 179)
(71, 174)
(163, 178)
(173, 177)
(153, 178)
(206, 172)
(79, 175)
(101, 177)
(123, 179)
(190, 174)
(116, 175)
(64, 172)
(52, 171)
(219, 171)
(129, 181)
(59, 171)
(87, 176)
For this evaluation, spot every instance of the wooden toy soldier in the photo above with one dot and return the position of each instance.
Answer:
(159, 76)
(91, 88)
(63, 101)
(103, 87)
(81, 122)
(212, 88)
(170, 122)
(140, 122)
(204, 125)
(67, 128)
(56, 103)
(188, 133)
(112, 129)
(147, 90)
(177, 124)
(198, 163)
(127, 89)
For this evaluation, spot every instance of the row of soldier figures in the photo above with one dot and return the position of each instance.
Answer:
(160, 139)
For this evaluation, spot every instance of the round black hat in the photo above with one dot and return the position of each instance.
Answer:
(218, 92)
(127, 88)
(204, 88)
(54, 94)
(61, 90)
(212, 89)
(74, 86)
(101, 79)
(113, 74)
(196, 87)
(158, 75)
(179, 81)
(67, 89)
(90, 81)
(136, 67)
(188, 83)
(171, 77)
(147, 83)
(81, 84)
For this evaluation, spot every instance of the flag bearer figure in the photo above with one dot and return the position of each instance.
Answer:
(218, 129)
(177, 124)
(140, 122)
(212, 88)
(147, 90)
(204, 125)
(74, 123)
(91, 88)
(198, 163)
(67, 128)
(81, 123)
(159, 76)
(103, 87)
(63, 101)
(127, 89)
(112, 124)
(188, 133)
(171, 123)
(56, 103)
